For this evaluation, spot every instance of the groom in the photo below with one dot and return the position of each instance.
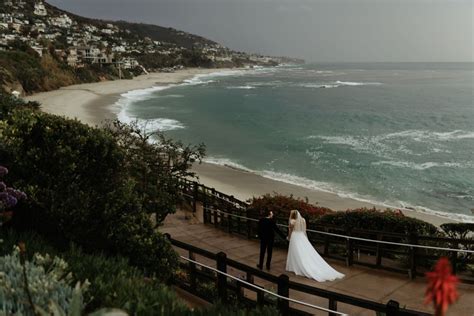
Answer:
(266, 232)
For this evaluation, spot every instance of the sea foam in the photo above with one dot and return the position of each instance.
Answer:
(241, 87)
(384, 145)
(423, 165)
(423, 135)
(164, 124)
(148, 125)
(337, 84)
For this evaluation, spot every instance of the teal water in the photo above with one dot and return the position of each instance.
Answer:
(397, 134)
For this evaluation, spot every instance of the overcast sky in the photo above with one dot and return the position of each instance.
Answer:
(317, 30)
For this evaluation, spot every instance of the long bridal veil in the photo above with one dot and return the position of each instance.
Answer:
(302, 258)
(300, 223)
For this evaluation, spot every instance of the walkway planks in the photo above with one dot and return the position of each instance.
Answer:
(372, 284)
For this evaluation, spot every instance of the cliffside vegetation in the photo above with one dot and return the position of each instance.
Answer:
(23, 70)
(94, 198)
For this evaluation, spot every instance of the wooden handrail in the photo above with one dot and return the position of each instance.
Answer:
(384, 255)
(333, 297)
(365, 231)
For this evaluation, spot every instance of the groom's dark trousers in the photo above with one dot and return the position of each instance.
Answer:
(266, 232)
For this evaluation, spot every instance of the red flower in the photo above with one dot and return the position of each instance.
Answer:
(441, 286)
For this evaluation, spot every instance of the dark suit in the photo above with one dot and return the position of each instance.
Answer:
(266, 232)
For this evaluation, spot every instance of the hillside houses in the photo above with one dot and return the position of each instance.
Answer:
(63, 21)
(79, 42)
(40, 9)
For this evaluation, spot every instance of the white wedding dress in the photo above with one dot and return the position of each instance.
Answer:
(303, 259)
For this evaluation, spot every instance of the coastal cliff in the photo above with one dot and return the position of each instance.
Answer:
(43, 48)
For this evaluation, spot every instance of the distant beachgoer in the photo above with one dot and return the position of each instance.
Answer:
(302, 258)
(266, 232)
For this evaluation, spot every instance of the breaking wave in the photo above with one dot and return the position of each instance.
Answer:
(241, 87)
(420, 135)
(399, 142)
(333, 189)
(424, 165)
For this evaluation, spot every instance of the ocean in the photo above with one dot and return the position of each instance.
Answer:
(395, 134)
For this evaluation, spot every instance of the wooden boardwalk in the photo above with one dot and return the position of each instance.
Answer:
(367, 283)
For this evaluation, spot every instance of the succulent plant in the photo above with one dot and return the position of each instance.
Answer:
(36, 282)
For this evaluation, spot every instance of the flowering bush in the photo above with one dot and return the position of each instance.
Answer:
(281, 205)
(9, 197)
(441, 290)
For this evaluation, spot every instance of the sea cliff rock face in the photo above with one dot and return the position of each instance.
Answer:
(8, 84)
(14, 88)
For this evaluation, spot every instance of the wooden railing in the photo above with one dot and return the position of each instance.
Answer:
(207, 270)
(376, 249)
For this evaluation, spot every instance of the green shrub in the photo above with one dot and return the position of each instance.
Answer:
(8, 103)
(76, 307)
(377, 220)
(223, 310)
(156, 167)
(136, 238)
(281, 205)
(114, 283)
(79, 189)
(459, 230)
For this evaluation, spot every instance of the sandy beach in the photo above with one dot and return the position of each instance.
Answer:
(92, 103)
(95, 102)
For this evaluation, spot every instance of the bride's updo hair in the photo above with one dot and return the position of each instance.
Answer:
(293, 214)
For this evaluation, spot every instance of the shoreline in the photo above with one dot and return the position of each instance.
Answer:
(245, 184)
(94, 103)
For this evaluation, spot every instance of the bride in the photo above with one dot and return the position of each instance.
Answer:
(302, 258)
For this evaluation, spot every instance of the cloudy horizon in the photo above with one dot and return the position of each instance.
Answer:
(318, 30)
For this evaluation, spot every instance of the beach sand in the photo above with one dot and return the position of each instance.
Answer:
(93, 103)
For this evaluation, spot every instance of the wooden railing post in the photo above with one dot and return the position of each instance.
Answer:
(326, 244)
(378, 253)
(393, 308)
(192, 270)
(249, 225)
(213, 192)
(260, 298)
(216, 222)
(229, 222)
(195, 196)
(350, 252)
(222, 279)
(332, 306)
(412, 254)
(454, 260)
(238, 226)
(284, 290)
(204, 210)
